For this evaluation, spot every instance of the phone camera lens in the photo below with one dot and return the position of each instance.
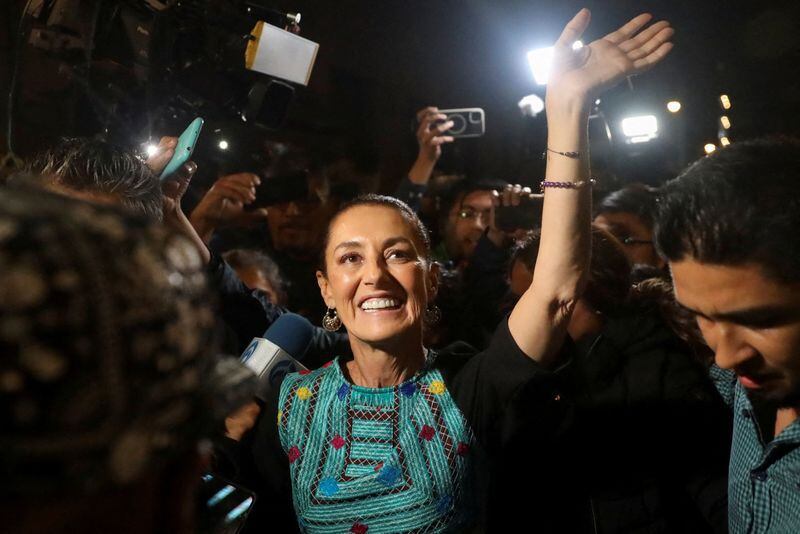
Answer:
(459, 124)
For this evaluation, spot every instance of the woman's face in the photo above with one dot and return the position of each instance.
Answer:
(377, 277)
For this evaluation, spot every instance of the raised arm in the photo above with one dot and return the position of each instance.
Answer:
(539, 320)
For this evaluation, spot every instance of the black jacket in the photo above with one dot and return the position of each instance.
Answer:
(638, 441)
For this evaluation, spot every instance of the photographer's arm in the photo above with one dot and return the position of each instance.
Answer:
(430, 140)
(173, 190)
(539, 320)
(224, 203)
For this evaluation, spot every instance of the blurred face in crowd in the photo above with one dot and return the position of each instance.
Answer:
(466, 222)
(750, 321)
(634, 234)
(254, 278)
(296, 228)
(378, 278)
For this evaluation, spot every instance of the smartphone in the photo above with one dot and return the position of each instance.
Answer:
(184, 149)
(222, 507)
(526, 216)
(467, 122)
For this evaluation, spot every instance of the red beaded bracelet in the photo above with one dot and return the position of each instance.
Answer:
(565, 185)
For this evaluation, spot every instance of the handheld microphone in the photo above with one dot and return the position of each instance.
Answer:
(276, 354)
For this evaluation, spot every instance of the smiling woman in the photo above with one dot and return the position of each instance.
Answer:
(387, 441)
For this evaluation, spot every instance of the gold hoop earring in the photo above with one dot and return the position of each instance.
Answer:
(331, 321)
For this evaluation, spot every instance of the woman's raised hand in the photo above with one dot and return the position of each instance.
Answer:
(591, 69)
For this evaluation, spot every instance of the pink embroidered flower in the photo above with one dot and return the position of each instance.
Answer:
(337, 442)
(427, 433)
(304, 372)
(294, 454)
(463, 449)
(359, 528)
(327, 364)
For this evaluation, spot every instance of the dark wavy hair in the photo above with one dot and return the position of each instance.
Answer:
(96, 166)
(740, 205)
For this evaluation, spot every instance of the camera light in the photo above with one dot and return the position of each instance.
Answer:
(710, 148)
(541, 60)
(531, 105)
(643, 125)
(725, 121)
(725, 101)
(673, 106)
(151, 150)
(724, 141)
(223, 145)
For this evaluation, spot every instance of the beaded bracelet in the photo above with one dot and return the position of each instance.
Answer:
(566, 185)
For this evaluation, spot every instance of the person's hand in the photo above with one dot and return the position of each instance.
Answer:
(163, 153)
(430, 137)
(224, 203)
(242, 421)
(511, 195)
(605, 62)
(176, 185)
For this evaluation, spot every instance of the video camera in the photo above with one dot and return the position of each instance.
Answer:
(144, 63)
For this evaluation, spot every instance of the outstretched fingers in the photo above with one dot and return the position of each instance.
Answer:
(645, 63)
(643, 37)
(574, 28)
(629, 30)
(665, 35)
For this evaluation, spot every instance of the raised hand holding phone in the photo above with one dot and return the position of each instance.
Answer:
(183, 149)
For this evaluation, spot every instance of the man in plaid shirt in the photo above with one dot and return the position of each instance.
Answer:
(728, 226)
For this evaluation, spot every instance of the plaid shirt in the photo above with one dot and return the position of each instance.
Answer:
(763, 478)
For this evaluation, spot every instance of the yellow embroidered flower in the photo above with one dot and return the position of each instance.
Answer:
(437, 387)
(304, 393)
(280, 416)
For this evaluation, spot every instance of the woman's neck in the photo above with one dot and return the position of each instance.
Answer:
(379, 367)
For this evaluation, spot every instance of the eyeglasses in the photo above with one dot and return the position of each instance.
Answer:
(473, 214)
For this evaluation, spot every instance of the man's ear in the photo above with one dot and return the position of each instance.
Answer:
(432, 282)
(325, 290)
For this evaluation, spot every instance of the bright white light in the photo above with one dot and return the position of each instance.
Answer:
(531, 105)
(673, 106)
(151, 150)
(541, 60)
(640, 126)
(640, 139)
(725, 121)
(725, 101)
(724, 141)
(709, 148)
(223, 145)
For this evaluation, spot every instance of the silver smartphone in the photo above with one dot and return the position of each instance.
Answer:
(467, 122)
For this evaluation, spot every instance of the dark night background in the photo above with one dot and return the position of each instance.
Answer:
(379, 61)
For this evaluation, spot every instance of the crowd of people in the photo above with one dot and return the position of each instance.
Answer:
(632, 366)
